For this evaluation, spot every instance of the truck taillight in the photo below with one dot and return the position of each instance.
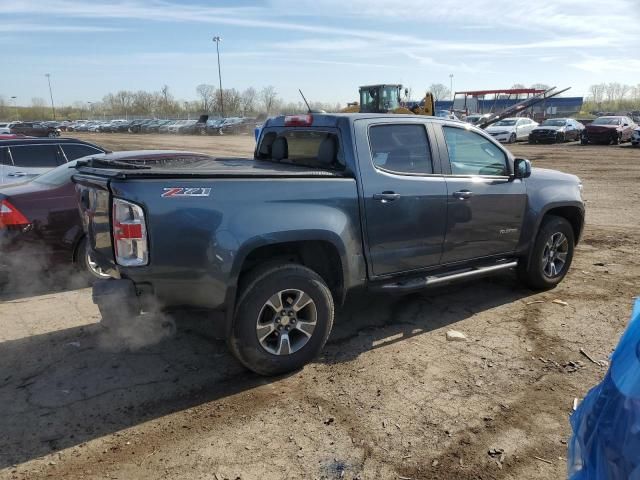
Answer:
(129, 234)
(10, 216)
(298, 120)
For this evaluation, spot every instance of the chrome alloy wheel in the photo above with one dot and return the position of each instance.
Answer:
(94, 268)
(554, 255)
(286, 322)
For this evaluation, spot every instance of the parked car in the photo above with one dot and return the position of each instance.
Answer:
(329, 204)
(244, 126)
(613, 129)
(21, 159)
(35, 129)
(40, 226)
(168, 124)
(178, 125)
(476, 117)
(511, 130)
(556, 130)
(635, 138)
(4, 127)
(188, 127)
(447, 115)
(211, 126)
(136, 125)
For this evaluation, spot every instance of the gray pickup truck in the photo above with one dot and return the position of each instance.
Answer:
(329, 203)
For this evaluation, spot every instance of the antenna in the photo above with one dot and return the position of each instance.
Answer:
(305, 100)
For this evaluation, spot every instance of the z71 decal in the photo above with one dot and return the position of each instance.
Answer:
(186, 192)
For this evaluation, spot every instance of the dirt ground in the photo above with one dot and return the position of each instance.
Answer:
(389, 398)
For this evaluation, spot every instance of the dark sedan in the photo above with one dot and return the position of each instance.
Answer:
(34, 129)
(40, 225)
(556, 130)
(610, 130)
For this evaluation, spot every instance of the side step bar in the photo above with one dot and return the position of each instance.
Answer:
(424, 282)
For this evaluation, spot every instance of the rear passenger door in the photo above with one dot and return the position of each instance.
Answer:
(403, 195)
(485, 205)
(30, 160)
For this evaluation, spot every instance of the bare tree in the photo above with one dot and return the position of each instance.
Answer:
(208, 97)
(249, 100)
(518, 86)
(540, 86)
(268, 96)
(439, 91)
(597, 93)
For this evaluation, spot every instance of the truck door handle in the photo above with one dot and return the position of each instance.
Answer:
(463, 194)
(16, 174)
(386, 196)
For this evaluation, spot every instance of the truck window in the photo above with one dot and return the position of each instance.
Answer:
(401, 148)
(472, 154)
(301, 147)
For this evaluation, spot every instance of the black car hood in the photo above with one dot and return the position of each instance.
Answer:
(547, 127)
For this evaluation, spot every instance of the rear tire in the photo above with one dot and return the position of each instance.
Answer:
(551, 256)
(283, 319)
(86, 263)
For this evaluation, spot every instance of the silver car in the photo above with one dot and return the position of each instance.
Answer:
(22, 159)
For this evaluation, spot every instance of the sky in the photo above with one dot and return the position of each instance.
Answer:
(325, 47)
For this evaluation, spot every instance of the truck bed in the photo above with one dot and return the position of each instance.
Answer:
(201, 166)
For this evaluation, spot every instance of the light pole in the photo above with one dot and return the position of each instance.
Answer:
(15, 106)
(53, 109)
(90, 109)
(186, 107)
(451, 87)
(217, 40)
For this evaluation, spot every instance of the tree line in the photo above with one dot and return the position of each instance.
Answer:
(250, 102)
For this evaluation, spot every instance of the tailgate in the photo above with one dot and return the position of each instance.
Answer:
(94, 200)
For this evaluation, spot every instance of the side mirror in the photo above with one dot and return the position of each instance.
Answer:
(521, 168)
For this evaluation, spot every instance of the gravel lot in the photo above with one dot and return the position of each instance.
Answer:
(390, 398)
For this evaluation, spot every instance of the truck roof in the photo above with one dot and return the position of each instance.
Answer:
(332, 119)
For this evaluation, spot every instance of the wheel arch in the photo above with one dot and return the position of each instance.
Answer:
(322, 251)
(572, 212)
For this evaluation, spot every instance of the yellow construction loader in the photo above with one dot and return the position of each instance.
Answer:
(387, 98)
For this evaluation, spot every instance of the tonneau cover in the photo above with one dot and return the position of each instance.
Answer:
(200, 167)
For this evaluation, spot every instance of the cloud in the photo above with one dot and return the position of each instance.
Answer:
(35, 27)
(607, 65)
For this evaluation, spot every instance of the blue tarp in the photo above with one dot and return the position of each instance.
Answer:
(606, 425)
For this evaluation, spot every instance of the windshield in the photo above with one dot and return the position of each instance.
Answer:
(554, 122)
(62, 174)
(388, 99)
(505, 123)
(606, 121)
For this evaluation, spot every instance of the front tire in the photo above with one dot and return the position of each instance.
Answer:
(512, 138)
(283, 319)
(551, 257)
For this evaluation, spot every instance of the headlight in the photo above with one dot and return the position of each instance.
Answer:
(581, 188)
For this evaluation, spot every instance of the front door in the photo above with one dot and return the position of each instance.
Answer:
(485, 205)
(404, 196)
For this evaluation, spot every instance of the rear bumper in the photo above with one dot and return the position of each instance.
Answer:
(600, 137)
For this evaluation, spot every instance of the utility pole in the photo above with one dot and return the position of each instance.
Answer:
(451, 88)
(217, 40)
(15, 106)
(90, 109)
(53, 109)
